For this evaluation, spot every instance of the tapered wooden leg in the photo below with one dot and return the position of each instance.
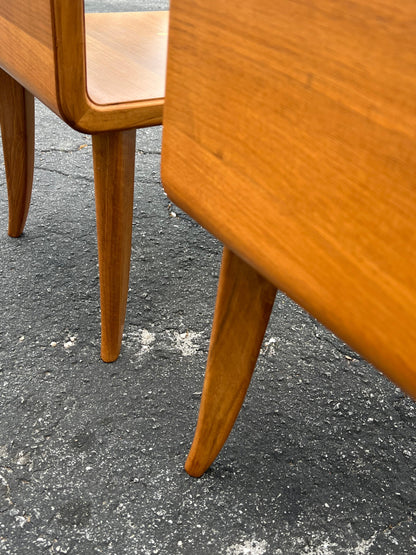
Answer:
(114, 182)
(244, 303)
(18, 136)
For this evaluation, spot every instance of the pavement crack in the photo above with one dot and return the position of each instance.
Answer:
(42, 470)
(64, 150)
(64, 174)
(342, 349)
(410, 517)
(5, 492)
(145, 152)
(386, 531)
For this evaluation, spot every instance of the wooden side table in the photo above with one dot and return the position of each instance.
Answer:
(290, 134)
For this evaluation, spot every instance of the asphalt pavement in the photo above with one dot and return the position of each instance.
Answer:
(321, 459)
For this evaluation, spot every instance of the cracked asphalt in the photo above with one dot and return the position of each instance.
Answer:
(321, 459)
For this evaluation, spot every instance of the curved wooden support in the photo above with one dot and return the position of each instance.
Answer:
(17, 117)
(244, 303)
(114, 154)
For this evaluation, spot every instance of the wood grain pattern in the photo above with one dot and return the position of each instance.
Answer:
(17, 119)
(26, 47)
(244, 303)
(79, 110)
(102, 74)
(98, 72)
(133, 46)
(290, 135)
(114, 154)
